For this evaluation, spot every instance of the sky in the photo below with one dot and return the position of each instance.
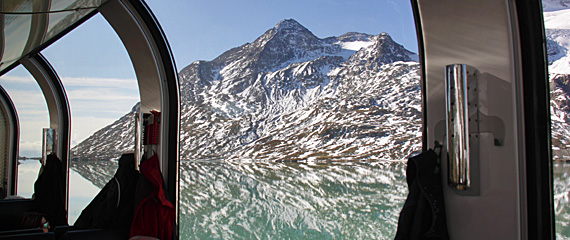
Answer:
(99, 79)
(202, 30)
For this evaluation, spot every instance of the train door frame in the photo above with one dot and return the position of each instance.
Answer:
(535, 214)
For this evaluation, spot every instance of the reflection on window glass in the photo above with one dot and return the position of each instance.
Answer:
(103, 94)
(33, 117)
(558, 44)
(16, 29)
(297, 129)
(24, 32)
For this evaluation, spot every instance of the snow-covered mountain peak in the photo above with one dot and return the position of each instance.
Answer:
(353, 37)
(290, 84)
(384, 36)
(288, 42)
(382, 50)
(289, 25)
(289, 30)
(556, 15)
(351, 42)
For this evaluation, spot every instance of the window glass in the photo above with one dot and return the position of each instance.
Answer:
(16, 29)
(101, 87)
(558, 44)
(296, 121)
(33, 117)
(61, 18)
(23, 31)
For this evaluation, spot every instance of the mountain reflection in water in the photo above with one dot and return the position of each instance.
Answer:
(265, 200)
(262, 200)
(561, 172)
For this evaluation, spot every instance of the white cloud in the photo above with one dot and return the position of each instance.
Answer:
(98, 102)
(94, 104)
(32, 113)
(17, 79)
(101, 98)
(30, 148)
(101, 82)
(27, 99)
(101, 94)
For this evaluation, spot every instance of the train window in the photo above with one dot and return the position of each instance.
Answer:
(17, 27)
(558, 39)
(31, 108)
(101, 87)
(18, 24)
(295, 121)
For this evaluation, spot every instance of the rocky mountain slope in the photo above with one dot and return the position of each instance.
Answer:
(556, 14)
(290, 95)
(109, 142)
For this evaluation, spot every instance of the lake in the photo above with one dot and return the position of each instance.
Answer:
(263, 200)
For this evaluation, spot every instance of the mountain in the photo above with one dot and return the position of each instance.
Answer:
(245, 105)
(557, 32)
(109, 142)
(290, 95)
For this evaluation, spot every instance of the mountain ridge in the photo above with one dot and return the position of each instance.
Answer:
(242, 104)
(238, 113)
(557, 31)
(233, 101)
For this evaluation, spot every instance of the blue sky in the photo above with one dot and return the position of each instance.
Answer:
(99, 78)
(202, 30)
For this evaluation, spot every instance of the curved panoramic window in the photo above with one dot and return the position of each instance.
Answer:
(23, 32)
(295, 121)
(103, 93)
(33, 116)
(290, 119)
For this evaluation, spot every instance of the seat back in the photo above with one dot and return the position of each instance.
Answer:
(94, 234)
(20, 231)
(26, 236)
(12, 211)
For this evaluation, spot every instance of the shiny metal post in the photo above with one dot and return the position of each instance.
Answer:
(457, 124)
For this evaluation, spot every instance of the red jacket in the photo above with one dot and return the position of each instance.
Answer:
(155, 215)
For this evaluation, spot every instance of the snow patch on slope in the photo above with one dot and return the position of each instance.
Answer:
(356, 45)
(558, 38)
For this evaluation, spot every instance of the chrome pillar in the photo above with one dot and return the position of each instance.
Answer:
(457, 118)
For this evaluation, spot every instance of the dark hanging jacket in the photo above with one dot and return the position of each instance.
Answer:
(49, 192)
(423, 214)
(155, 214)
(113, 205)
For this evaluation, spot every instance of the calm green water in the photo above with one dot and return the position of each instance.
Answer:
(259, 200)
(561, 172)
(262, 200)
